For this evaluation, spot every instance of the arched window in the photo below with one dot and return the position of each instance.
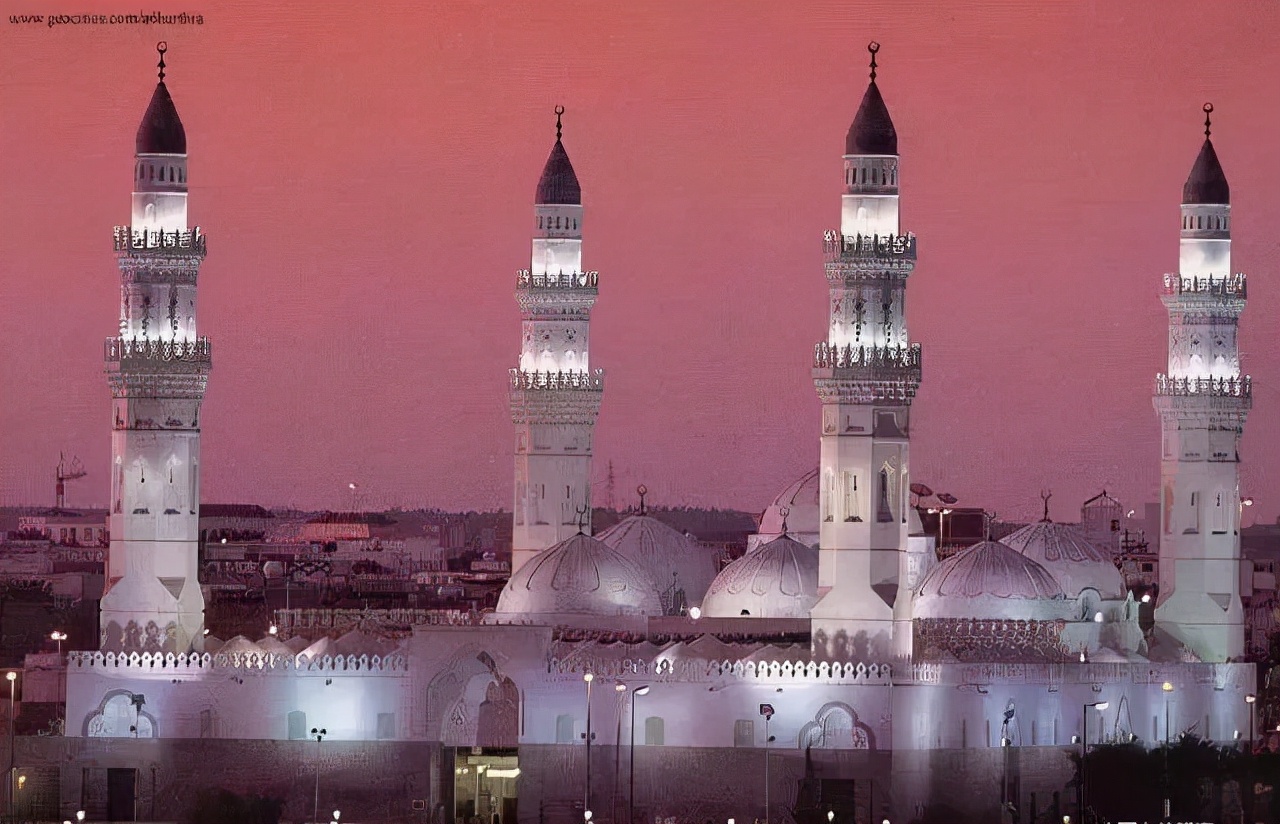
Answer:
(564, 729)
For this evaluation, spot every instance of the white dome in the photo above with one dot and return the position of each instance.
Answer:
(988, 580)
(801, 500)
(1070, 557)
(666, 554)
(778, 580)
(579, 576)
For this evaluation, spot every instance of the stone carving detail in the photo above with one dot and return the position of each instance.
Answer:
(836, 727)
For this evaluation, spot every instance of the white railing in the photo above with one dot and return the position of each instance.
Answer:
(1241, 387)
(557, 280)
(837, 245)
(1234, 286)
(143, 349)
(594, 381)
(826, 356)
(128, 239)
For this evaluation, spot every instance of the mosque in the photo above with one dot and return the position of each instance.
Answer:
(838, 667)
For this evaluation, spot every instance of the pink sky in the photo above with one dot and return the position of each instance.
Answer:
(366, 178)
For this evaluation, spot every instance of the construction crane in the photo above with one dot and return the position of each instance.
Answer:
(66, 473)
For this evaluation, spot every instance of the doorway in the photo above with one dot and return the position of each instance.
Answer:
(484, 786)
(122, 790)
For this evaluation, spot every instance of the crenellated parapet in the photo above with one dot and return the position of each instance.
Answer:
(147, 354)
(141, 662)
(592, 381)
(1232, 287)
(701, 670)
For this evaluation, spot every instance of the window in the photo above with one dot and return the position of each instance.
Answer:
(564, 729)
(386, 726)
(744, 733)
(653, 731)
(297, 725)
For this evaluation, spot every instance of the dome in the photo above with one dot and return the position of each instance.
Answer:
(558, 184)
(1069, 557)
(778, 580)
(800, 500)
(660, 551)
(959, 586)
(579, 576)
(1207, 183)
(160, 131)
(872, 132)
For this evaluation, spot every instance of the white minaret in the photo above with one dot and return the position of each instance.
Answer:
(555, 395)
(1203, 401)
(157, 368)
(866, 372)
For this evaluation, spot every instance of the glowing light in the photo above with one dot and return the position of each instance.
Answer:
(1167, 687)
(1146, 598)
(58, 636)
(337, 814)
(588, 677)
(586, 815)
(12, 676)
(642, 690)
(273, 629)
(1101, 705)
(695, 613)
(1097, 617)
(22, 781)
(1246, 501)
(1004, 742)
(513, 772)
(1250, 698)
(79, 815)
(831, 814)
(621, 688)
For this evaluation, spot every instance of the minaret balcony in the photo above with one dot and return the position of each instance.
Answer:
(150, 241)
(526, 279)
(841, 247)
(826, 356)
(1225, 286)
(1241, 387)
(592, 381)
(144, 354)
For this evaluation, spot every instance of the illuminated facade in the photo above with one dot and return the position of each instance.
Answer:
(157, 367)
(555, 394)
(866, 374)
(1203, 401)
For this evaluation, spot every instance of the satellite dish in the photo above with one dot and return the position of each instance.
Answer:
(921, 490)
(947, 498)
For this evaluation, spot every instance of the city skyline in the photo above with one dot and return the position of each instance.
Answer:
(359, 284)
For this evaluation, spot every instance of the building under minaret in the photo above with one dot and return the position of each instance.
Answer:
(157, 368)
(555, 394)
(866, 373)
(1203, 401)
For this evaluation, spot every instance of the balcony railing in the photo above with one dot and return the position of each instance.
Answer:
(142, 349)
(826, 356)
(593, 381)
(1233, 286)
(836, 246)
(1241, 387)
(178, 241)
(557, 280)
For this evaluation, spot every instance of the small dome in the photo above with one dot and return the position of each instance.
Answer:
(559, 184)
(872, 132)
(990, 569)
(1069, 557)
(1207, 183)
(800, 500)
(660, 551)
(579, 576)
(778, 580)
(161, 129)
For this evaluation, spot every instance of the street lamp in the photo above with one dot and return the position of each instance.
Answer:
(13, 680)
(337, 814)
(1084, 754)
(318, 734)
(1167, 688)
(586, 799)
(766, 712)
(621, 690)
(631, 757)
(1250, 700)
(58, 636)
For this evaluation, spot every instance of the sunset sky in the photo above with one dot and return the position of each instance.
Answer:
(366, 181)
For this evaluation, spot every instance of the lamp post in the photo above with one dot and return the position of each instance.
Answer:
(586, 802)
(766, 711)
(318, 735)
(59, 637)
(621, 690)
(13, 680)
(1249, 700)
(1167, 688)
(1084, 754)
(631, 758)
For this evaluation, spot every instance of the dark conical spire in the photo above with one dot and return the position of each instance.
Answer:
(872, 132)
(558, 184)
(1207, 183)
(160, 131)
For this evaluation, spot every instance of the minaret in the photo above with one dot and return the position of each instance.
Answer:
(866, 372)
(555, 395)
(1203, 401)
(157, 368)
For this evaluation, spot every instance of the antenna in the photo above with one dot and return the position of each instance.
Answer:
(582, 513)
(642, 490)
(873, 47)
(1208, 110)
(1045, 495)
(162, 47)
(559, 111)
(63, 474)
(784, 512)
